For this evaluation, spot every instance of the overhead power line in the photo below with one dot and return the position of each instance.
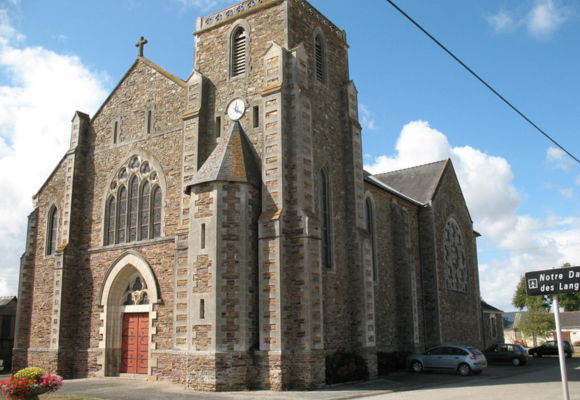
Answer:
(521, 114)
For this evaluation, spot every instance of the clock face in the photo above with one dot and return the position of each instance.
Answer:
(236, 109)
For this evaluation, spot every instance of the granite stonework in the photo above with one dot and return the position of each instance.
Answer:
(232, 282)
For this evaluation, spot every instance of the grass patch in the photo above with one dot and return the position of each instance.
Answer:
(65, 397)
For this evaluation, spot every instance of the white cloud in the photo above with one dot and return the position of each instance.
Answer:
(522, 243)
(558, 159)
(567, 193)
(502, 21)
(544, 18)
(367, 118)
(540, 21)
(42, 90)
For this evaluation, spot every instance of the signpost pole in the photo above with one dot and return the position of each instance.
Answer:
(561, 353)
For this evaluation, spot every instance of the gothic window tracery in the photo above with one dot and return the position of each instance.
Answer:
(136, 292)
(456, 276)
(133, 209)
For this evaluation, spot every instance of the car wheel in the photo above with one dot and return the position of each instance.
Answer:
(416, 366)
(516, 362)
(463, 369)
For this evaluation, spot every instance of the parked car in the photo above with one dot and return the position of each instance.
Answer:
(505, 352)
(462, 359)
(550, 348)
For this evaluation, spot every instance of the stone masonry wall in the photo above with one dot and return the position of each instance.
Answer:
(460, 313)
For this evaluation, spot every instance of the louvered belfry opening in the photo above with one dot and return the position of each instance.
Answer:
(239, 52)
(319, 50)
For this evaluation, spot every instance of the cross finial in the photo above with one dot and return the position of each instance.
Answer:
(142, 42)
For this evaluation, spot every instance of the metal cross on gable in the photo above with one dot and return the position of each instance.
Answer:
(141, 43)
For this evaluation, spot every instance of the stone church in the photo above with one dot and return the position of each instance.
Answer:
(220, 231)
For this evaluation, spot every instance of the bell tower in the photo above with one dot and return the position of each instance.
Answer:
(271, 100)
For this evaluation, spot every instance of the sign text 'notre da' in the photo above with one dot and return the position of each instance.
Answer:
(553, 281)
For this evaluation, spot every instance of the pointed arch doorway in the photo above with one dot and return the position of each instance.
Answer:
(128, 294)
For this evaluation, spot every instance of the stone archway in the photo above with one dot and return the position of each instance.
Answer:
(130, 289)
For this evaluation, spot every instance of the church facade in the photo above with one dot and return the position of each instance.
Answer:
(220, 231)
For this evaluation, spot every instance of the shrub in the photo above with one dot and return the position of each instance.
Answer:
(390, 362)
(345, 367)
(33, 373)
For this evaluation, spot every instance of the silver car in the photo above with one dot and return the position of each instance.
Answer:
(462, 359)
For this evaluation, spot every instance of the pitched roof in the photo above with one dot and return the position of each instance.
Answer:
(570, 320)
(419, 183)
(232, 160)
(489, 308)
(5, 300)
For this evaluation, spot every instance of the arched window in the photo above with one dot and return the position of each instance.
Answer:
(156, 212)
(371, 229)
(320, 58)
(122, 215)
(456, 276)
(239, 52)
(145, 211)
(326, 250)
(133, 210)
(51, 231)
(110, 221)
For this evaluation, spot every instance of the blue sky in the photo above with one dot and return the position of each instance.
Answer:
(417, 105)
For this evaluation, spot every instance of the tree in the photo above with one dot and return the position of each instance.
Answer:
(521, 300)
(570, 301)
(536, 324)
(536, 321)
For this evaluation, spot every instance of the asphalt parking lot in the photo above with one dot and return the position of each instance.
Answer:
(539, 379)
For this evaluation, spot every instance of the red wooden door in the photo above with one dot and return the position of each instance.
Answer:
(135, 353)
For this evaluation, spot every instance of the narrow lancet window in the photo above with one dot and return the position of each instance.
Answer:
(371, 230)
(145, 205)
(239, 43)
(156, 212)
(110, 235)
(326, 250)
(122, 215)
(52, 230)
(133, 208)
(320, 58)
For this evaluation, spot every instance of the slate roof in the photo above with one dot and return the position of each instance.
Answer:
(570, 320)
(418, 182)
(5, 300)
(509, 319)
(232, 160)
(489, 308)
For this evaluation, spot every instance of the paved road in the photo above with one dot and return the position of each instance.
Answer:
(540, 379)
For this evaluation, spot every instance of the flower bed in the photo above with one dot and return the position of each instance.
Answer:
(28, 383)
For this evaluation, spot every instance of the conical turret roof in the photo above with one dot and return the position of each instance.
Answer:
(231, 161)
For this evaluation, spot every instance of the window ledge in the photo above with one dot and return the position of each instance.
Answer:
(130, 245)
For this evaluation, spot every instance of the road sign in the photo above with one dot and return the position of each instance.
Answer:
(553, 281)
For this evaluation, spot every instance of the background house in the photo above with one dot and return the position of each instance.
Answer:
(7, 319)
(492, 325)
